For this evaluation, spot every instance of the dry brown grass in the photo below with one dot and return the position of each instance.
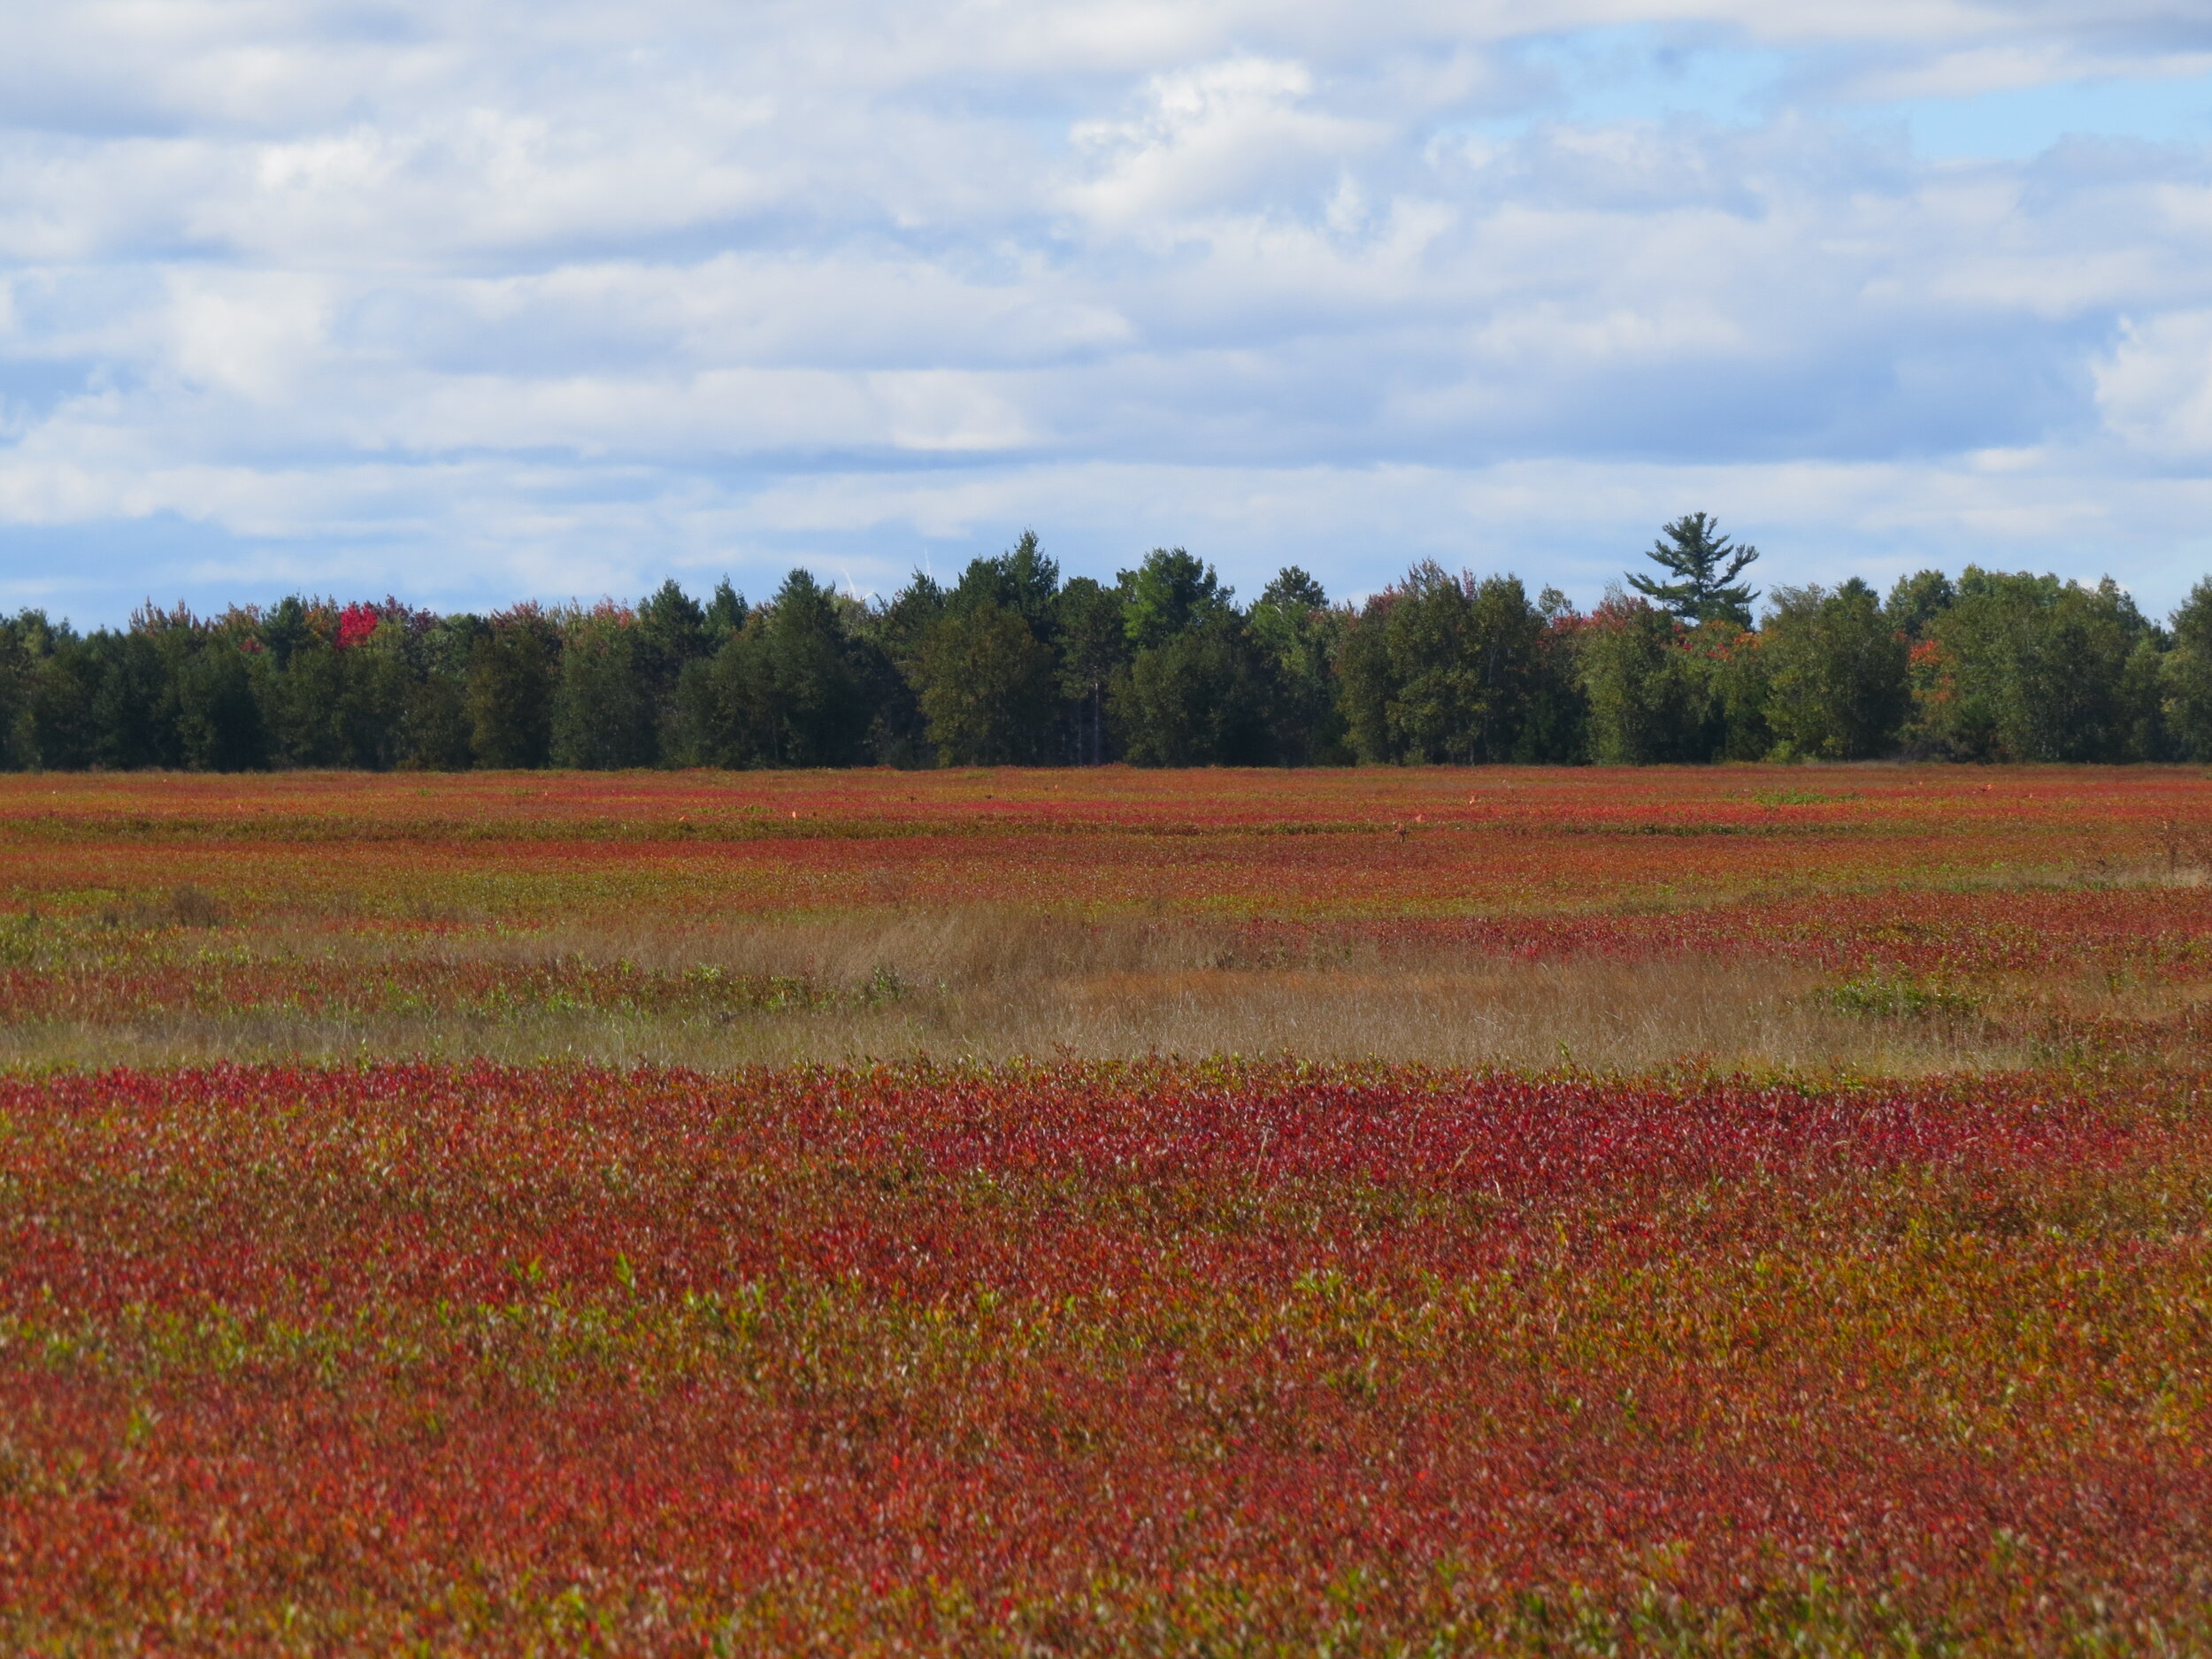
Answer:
(996, 985)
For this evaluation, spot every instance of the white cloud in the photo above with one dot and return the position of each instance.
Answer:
(482, 294)
(1212, 140)
(2156, 385)
(257, 336)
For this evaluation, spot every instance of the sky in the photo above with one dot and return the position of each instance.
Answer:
(484, 299)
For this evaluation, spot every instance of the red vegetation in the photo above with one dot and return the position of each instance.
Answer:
(1093, 1358)
(1320, 845)
(1182, 1358)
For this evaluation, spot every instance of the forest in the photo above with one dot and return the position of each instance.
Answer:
(1013, 665)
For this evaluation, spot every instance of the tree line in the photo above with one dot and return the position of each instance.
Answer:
(1013, 666)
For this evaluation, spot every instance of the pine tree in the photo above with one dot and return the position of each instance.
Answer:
(1695, 552)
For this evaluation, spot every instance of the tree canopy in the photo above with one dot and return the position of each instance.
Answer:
(1014, 664)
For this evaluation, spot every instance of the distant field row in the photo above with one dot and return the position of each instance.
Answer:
(1371, 843)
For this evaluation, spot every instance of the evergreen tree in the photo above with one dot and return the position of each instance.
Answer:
(1168, 594)
(218, 720)
(819, 719)
(1195, 692)
(985, 687)
(1093, 648)
(1010, 666)
(1298, 635)
(2187, 675)
(57, 715)
(1366, 681)
(1023, 580)
(377, 673)
(724, 706)
(512, 675)
(1704, 565)
(1556, 729)
(787, 690)
(893, 636)
(435, 733)
(18, 665)
(133, 708)
(606, 710)
(982, 667)
(673, 630)
(724, 615)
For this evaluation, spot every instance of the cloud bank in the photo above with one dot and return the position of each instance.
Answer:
(484, 299)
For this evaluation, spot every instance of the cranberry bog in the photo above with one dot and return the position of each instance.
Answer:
(447, 1272)
(1862, 920)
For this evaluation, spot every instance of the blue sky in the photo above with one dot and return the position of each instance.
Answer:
(481, 300)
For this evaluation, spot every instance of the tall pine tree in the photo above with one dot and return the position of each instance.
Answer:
(1704, 564)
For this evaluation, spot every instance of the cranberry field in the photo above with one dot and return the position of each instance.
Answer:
(1392, 1212)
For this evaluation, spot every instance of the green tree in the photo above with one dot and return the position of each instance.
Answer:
(1733, 674)
(986, 686)
(1555, 728)
(1093, 637)
(57, 715)
(606, 708)
(321, 701)
(1168, 594)
(211, 718)
(302, 700)
(1444, 668)
(787, 690)
(892, 634)
(819, 718)
(134, 708)
(2187, 675)
(513, 671)
(981, 667)
(378, 672)
(1648, 699)
(1195, 692)
(1366, 681)
(2024, 667)
(1297, 634)
(1195, 699)
(28, 705)
(435, 729)
(1023, 580)
(218, 720)
(2143, 731)
(1918, 600)
(1704, 565)
(672, 631)
(725, 706)
(18, 666)
(724, 616)
(1837, 687)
